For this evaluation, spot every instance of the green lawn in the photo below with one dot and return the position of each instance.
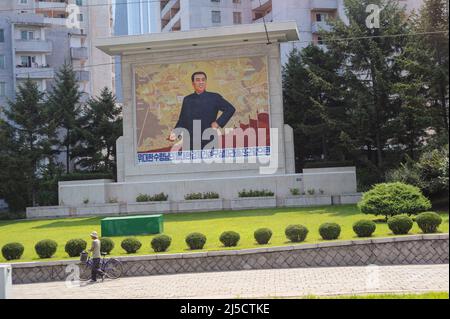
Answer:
(429, 295)
(212, 224)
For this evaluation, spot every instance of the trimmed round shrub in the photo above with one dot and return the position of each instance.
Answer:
(161, 243)
(296, 233)
(12, 251)
(364, 228)
(131, 245)
(106, 245)
(196, 241)
(330, 231)
(429, 222)
(46, 248)
(230, 238)
(400, 224)
(263, 236)
(75, 247)
(390, 199)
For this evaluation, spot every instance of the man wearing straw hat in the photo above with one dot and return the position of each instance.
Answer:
(96, 257)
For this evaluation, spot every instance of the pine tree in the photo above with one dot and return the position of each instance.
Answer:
(433, 44)
(370, 71)
(103, 126)
(27, 134)
(64, 101)
(313, 104)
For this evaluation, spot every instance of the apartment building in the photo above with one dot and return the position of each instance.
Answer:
(38, 36)
(180, 15)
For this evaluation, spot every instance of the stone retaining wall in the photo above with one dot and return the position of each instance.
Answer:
(189, 206)
(405, 250)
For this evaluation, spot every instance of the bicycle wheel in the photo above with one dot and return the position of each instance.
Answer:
(85, 272)
(113, 269)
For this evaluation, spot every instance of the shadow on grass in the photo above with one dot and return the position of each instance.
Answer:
(95, 221)
(345, 210)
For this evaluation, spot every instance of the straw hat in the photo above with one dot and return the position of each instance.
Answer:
(94, 234)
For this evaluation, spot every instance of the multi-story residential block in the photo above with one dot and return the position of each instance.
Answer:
(38, 36)
(180, 15)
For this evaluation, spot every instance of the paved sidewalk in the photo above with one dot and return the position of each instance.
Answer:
(255, 284)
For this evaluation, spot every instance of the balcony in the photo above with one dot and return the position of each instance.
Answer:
(33, 46)
(323, 5)
(79, 53)
(42, 72)
(268, 17)
(261, 4)
(54, 6)
(316, 27)
(58, 21)
(172, 4)
(83, 76)
(170, 15)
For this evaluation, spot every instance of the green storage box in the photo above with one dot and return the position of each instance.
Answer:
(132, 225)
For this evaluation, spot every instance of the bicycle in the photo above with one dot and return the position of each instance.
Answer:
(112, 268)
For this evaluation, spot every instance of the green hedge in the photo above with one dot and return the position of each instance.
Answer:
(230, 238)
(131, 245)
(196, 241)
(12, 251)
(429, 222)
(364, 228)
(75, 247)
(330, 231)
(161, 243)
(328, 164)
(296, 233)
(263, 236)
(85, 176)
(106, 245)
(46, 248)
(400, 224)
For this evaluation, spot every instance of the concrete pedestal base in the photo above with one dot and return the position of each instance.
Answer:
(5, 282)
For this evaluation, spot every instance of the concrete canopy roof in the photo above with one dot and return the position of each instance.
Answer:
(199, 38)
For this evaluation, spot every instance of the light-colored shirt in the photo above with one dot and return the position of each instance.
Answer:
(96, 249)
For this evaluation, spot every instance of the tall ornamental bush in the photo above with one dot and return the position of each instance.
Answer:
(391, 199)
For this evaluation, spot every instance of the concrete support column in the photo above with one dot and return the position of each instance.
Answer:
(5, 282)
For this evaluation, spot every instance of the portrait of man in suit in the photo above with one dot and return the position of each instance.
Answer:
(205, 107)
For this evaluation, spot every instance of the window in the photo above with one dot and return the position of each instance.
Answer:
(319, 41)
(23, 1)
(321, 17)
(215, 0)
(2, 35)
(27, 35)
(216, 18)
(2, 88)
(80, 17)
(236, 1)
(237, 17)
(79, 2)
(2, 62)
(28, 61)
